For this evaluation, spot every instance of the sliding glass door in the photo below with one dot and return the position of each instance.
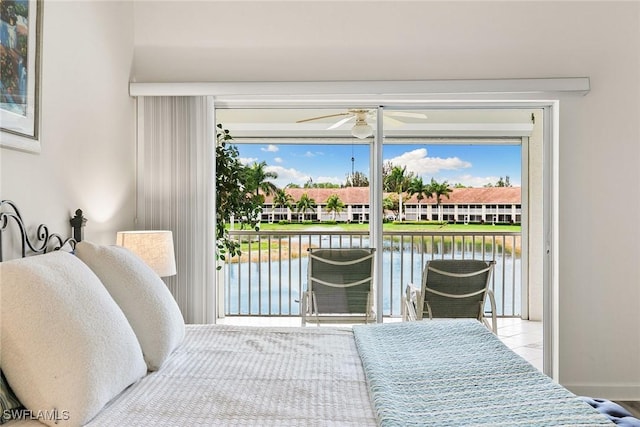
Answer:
(422, 183)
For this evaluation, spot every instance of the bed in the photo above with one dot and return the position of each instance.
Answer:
(91, 338)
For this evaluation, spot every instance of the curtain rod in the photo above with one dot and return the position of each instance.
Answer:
(378, 89)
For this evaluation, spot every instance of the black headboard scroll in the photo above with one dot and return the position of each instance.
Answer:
(77, 224)
(44, 240)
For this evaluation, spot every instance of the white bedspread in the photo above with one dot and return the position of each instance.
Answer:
(431, 373)
(226, 375)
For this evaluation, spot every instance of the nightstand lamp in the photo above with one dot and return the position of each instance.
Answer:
(155, 247)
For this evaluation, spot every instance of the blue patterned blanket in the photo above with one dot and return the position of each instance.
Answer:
(457, 373)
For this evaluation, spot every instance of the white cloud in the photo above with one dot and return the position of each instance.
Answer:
(287, 176)
(294, 176)
(270, 148)
(473, 181)
(418, 162)
(247, 160)
(312, 154)
(278, 159)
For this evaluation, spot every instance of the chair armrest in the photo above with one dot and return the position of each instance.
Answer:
(494, 320)
(305, 306)
(410, 303)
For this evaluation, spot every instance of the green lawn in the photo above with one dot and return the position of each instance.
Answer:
(276, 245)
(393, 226)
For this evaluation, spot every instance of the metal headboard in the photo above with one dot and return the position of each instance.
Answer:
(44, 240)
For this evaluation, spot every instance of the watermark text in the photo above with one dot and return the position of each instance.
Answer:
(54, 415)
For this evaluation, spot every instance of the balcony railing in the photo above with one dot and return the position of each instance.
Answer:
(270, 276)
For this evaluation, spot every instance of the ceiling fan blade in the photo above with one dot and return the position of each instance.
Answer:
(407, 114)
(392, 122)
(340, 123)
(322, 117)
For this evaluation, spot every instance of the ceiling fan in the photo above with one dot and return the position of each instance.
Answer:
(361, 129)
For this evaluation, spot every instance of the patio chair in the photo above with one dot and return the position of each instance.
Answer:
(453, 289)
(339, 286)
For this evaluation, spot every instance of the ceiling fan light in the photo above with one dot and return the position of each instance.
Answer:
(362, 130)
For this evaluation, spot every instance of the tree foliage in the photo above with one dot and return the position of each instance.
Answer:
(311, 184)
(334, 205)
(233, 200)
(439, 189)
(391, 203)
(257, 179)
(397, 179)
(357, 179)
(282, 199)
(305, 204)
(506, 182)
(386, 171)
(420, 189)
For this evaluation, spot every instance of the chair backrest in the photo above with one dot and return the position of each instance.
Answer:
(341, 279)
(455, 288)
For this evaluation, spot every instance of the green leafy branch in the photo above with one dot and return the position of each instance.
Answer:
(233, 200)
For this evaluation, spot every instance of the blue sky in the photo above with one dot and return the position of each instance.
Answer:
(470, 165)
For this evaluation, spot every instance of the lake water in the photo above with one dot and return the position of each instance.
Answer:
(274, 288)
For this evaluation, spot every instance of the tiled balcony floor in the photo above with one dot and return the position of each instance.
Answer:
(522, 336)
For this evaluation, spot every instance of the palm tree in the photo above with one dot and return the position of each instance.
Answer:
(397, 181)
(281, 199)
(334, 205)
(257, 179)
(305, 204)
(421, 190)
(439, 189)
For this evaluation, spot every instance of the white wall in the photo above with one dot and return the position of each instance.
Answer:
(600, 133)
(87, 159)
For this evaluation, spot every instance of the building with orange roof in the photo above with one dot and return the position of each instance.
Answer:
(464, 205)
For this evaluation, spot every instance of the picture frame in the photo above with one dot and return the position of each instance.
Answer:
(20, 46)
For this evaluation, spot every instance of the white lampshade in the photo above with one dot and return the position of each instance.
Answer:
(361, 130)
(153, 246)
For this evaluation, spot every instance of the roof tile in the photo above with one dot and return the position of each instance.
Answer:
(360, 195)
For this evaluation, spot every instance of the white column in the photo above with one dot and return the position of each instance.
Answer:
(375, 210)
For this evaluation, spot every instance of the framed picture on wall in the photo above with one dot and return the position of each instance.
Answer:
(20, 41)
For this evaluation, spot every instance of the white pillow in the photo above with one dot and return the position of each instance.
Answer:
(67, 348)
(152, 311)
